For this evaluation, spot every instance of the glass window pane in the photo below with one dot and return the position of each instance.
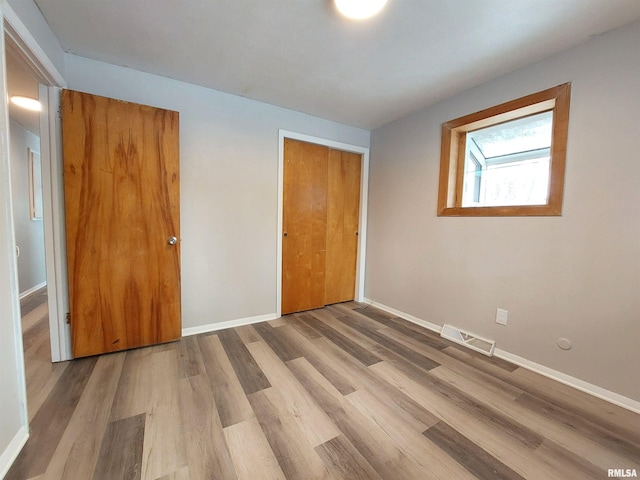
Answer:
(508, 164)
(526, 183)
(517, 136)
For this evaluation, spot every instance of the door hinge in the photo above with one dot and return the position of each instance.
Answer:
(68, 318)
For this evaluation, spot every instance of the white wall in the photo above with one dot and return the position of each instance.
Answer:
(229, 180)
(29, 233)
(574, 276)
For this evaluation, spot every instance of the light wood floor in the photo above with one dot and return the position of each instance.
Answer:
(344, 392)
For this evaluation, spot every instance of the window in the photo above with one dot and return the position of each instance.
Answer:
(507, 160)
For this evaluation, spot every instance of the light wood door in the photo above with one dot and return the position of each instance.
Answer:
(304, 226)
(121, 177)
(343, 212)
(321, 205)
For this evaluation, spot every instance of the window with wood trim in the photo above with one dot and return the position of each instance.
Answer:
(507, 160)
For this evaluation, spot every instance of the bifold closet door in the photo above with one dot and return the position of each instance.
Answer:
(321, 204)
(304, 226)
(343, 212)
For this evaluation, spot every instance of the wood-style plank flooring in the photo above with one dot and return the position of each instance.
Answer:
(344, 392)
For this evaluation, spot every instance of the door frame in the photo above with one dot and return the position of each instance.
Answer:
(362, 221)
(53, 197)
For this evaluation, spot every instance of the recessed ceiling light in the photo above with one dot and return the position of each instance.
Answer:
(26, 102)
(359, 9)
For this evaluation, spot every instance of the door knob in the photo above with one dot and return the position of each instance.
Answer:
(172, 240)
(285, 234)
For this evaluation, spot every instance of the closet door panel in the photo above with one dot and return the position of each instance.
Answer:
(304, 226)
(343, 212)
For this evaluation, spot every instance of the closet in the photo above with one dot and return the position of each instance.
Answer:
(321, 208)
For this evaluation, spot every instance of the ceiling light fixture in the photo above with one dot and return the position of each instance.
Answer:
(26, 102)
(359, 9)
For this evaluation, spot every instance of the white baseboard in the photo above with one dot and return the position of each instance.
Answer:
(576, 383)
(13, 449)
(596, 391)
(212, 327)
(32, 289)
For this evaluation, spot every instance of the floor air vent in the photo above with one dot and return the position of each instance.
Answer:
(469, 340)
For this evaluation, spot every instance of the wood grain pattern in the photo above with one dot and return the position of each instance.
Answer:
(163, 454)
(390, 344)
(285, 350)
(79, 447)
(401, 429)
(326, 365)
(343, 460)
(52, 420)
(312, 421)
(365, 378)
(41, 375)
(230, 401)
(466, 402)
(295, 456)
(36, 299)
(247, 370)
(321, 214)
(191, 363)
(407, 329)
(472, 457)
(34, 324)
(331, 319)
(630, 447)
(361, 354)
(515, 452)
(304, 221)
(248, 334)
(342, 310)
(456, 367)
(367, 437)
(121, 451)
(343, 216)
(623, 423)
(159, 413)
(262, 463)
(297, 322)
(180, 474)
(134, 385)
(207, 451)
(121, 174)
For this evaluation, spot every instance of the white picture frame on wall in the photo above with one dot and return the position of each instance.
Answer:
(35, 185)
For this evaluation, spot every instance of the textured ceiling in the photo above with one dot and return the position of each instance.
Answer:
(301, 55)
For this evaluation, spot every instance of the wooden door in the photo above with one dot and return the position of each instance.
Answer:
(304, 226)
(321, 206)
(121, 177)
(343, 212)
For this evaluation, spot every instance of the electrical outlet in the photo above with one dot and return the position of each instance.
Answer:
(501, 316)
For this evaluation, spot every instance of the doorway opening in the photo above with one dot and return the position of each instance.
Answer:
(28, 213)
